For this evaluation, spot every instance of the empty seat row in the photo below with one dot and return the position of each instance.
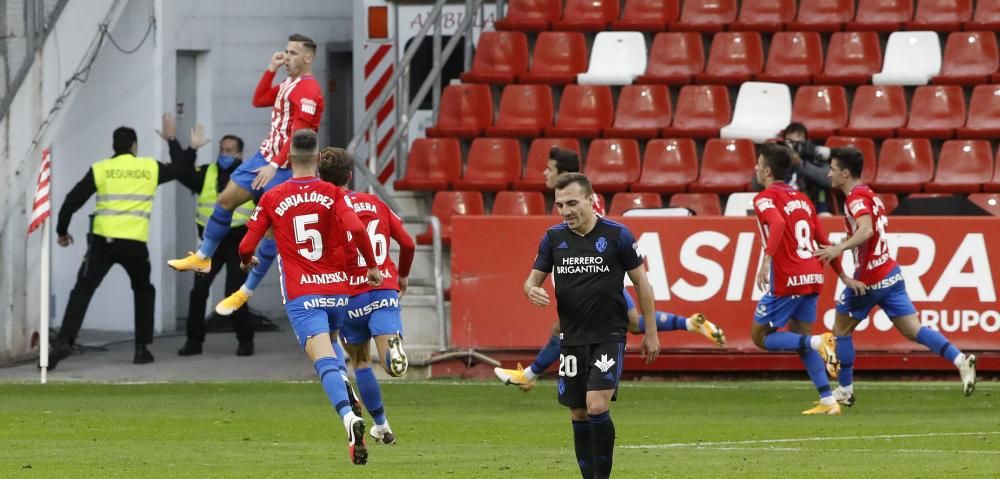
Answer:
(678, 58)
(762, 15)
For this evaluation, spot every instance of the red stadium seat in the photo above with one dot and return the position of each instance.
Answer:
(706, 16)
(525, 110)
(447, 205)
(994, 185)
(986, 16)
(500, 58)
(643, 111)
(904, 165)
(557, 58)
(941, 15)
(984, 114)
(823, 15)
(700, 112)
(851, 59)
(764, 15)
(963, 166)
(538, 160)
(701, 204)
(530, 15)
(936, 111)
(433, 164)
(520, 203)
(465, 111)
(867, 148)
(823, 109)
(674, 58)
(989, 202)
(622, 202)
(584, 110)
(726, 166)
(882, 15)
(735, 57)
(648, 15)
(890, 201)
(612, 165)
(587, 15)
(668, 166)
(877, 111)
(793, 57)
(969, 58)
(493, 164)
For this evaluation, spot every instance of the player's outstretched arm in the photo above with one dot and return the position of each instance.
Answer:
(407, 248)
(265, 94)
(533, 288)
(650, 347)
(257, 227)
(862, 234)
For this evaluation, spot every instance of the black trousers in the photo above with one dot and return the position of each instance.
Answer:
(102, 254)
(226, 255)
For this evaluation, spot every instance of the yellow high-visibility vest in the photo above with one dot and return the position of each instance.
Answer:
(208, 197)
(126, 186)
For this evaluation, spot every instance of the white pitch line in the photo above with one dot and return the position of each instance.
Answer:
(800, 449)
(803, 439)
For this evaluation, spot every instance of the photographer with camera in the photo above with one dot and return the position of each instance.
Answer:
(810, 166)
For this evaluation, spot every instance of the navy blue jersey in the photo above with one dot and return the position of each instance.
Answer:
(589, 272)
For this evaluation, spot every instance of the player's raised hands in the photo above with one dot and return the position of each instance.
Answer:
(277, 60)
(650, 347)
(198, 138)
(168, 127)
(538, 296)
(374, 277)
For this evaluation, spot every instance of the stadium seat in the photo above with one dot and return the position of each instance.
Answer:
(520, 203)
(622, 202)
(994, 184)
(867, 148)
(668, 166)
(447, 205)
(587, 15)
(616, 59)
(851, 59)
(881, 15)
(969, 58)
(911, 58)
(726, 166)
(793, 57)
(701, 204)
(890, 201)
(584, 110)
(525, 110)
(764, 15)
(876, 111)
(963, 167)
(648, 15)
(941, 15)
(735, 57)
(985, 17)
(557, 58)
(530, 15)
(762, 110)
(500, 58)
(538, 160)
(643, 111)
(989, 202)
(700, 112)
(674, 58)
(493, 164)
(822, 109)
(822, 15)
(705, 16)
(432, 165)
(984, 114)
(904, 165)
(464, 112)
(612, 165)
(935, 112)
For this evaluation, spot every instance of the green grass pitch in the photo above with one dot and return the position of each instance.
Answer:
(485, 430)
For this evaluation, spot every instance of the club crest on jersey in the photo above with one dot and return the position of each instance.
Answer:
(602, 244)
(604, 363)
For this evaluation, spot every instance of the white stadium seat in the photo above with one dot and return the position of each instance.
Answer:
(616, 59)
(740, 204)
(911, 58)
(762, 110)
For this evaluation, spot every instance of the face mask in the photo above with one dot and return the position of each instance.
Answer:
(225, 161)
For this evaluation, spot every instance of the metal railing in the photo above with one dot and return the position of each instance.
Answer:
(24, 27)
(437, 281)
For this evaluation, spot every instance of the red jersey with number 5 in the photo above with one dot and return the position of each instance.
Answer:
(789, 228)
(381, 224)
(872, 262)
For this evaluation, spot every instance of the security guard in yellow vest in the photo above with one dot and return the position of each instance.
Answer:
(207, 182)
(126, 186)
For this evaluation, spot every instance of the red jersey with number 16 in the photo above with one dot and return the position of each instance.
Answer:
(381, 224)
(872, 261)
(789, 228)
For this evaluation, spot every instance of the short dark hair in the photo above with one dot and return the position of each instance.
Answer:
(778, 158)
(303, 148)
(796, 127)
(567, 161)
(850, 159)
(335, 165)
(122, 140)
(238, 140)
(304, 40)
(579, 178)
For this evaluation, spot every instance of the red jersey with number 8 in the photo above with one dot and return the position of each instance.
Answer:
(789, 228)
(872, 261)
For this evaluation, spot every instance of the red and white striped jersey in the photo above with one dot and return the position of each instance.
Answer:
(296, 103)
